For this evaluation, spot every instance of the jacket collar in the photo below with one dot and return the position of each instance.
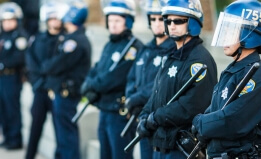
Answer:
(184, 51)
(249, 60)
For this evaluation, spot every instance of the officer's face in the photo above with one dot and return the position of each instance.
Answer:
(178, 29)
(229, 50)
(9, 24)
(157, 24)
(116, 24)
(54, 25)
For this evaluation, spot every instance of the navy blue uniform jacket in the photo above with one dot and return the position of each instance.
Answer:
(67, 68)
(233, 129)
(143, 72)
(111, 84)
(176, 70)
(42, 48)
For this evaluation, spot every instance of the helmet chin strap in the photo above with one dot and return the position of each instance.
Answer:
(238, 52)
(159, 35)
(179, 38)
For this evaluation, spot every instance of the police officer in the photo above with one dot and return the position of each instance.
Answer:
(233, 131)
(41, 49)
(13, 43)
(143, 72)
(161, 121)
(109, 76)
(65, 71)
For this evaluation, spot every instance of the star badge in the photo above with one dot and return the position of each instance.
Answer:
(157, 61)
(172, 71)
(224, 93)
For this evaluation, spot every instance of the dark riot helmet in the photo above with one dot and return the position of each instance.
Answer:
(239, 23)
(188, 8)
(125, 8)
(77, 13)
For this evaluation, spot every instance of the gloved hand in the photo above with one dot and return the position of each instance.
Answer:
(132, 109)
(202, 139)
(85, 87)
(151, 123)
(194, 131)
(92, 96)
(142, 130)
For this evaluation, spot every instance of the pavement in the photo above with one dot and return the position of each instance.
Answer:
(14, 154)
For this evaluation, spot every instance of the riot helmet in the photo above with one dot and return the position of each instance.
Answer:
(10, 10)
(77, 13)
(187, 8)
(125, 8)
(53, 10)
(151, 7)
(239, 23)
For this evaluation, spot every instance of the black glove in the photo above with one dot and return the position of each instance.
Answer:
(92, 96)
(151, 123)
(142, 130)
(202, 139)
(85, 87)
(194, 131)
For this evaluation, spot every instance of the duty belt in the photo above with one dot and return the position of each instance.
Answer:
(8, 71)
(161, 150)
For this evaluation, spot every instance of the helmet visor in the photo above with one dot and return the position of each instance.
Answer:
(231, 30)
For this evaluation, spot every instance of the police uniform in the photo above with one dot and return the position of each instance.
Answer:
(13, 44)
(175, 71)
(65, 73)
(141, 80)
(234, 129)
(111, 86)
(41, 49)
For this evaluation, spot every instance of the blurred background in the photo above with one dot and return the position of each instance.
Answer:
(98, 36)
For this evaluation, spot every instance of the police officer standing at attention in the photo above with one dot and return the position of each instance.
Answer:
(234, 131)
(159, 121)
(143, 72)
(42, 47)
(109, 76)
(13, 43)
(65, 71)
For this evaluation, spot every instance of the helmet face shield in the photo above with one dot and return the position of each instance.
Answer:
(232, 29)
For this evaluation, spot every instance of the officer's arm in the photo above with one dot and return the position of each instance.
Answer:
(192, 102)
(130, 87)
(64, 61)
(237, 119)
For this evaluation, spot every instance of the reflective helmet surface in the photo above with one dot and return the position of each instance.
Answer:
(53, 10)
(77, 14)
(10, 10)
(124, 8)
(151, 7)
(187, 8)
(248, 15)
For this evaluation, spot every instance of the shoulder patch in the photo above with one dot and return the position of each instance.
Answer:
(248, 88)
(194, 69)
(21, 43)
(69, 46)
(131, 54)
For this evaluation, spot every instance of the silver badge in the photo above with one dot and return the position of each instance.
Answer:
(157, 61)
(115, 56)
(7, 44)
(172, 71)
